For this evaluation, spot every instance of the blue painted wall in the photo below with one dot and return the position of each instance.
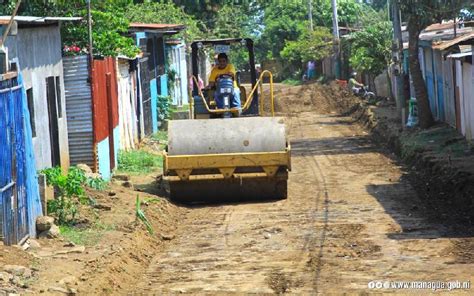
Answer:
(430, 89)
(32, 188)
(103, 149)
(116, 144)
(140, 35)
(164, 85)
(15, 128)
(440, 94)
(154, 104)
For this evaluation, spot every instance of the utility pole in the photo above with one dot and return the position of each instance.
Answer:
(7, 30)
(4, 67)
(397, 59)
(89, 27)
(91, 71)
(310, 15)
(335, 26)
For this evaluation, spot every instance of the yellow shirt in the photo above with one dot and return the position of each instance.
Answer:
(216, 72)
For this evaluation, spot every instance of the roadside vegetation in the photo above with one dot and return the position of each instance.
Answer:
(70, 192)
(292, 81)
(86, 236)
(138, 162)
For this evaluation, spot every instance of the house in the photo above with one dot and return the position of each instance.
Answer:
(152, 75)
(92, 112)
(458, 79)
(35, 47)
(432, 61)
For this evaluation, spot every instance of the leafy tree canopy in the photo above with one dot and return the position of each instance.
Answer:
(109, 23)
(371, 48)
(311, 45)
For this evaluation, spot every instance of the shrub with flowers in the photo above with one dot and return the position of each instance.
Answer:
(72, 50)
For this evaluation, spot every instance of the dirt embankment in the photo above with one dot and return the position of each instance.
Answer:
(310, 97)
(112, 248)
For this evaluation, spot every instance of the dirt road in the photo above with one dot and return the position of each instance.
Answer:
(351, 218)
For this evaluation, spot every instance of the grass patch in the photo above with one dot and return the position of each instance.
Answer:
(161, 136)
(442, 140)
(292, 82)
(138, 161)
(85, 236)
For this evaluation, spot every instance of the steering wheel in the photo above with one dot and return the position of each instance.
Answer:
(225, 76)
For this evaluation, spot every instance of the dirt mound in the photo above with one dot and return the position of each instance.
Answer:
(323, 99)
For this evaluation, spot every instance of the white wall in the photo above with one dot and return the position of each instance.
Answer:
(382, 87)
(468, 99)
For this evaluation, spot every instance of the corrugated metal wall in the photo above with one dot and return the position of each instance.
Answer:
(439, 89)
(106, 117)
(145, 96)
(429, 79)
(468, 99)
(102, 68)
(127, 109)
(79, 110)
(448, 89)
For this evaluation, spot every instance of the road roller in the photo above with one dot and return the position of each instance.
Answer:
(227, 153)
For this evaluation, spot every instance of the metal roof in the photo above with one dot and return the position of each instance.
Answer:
(444, 35)
(461, 39)
(37, 20)
(157, 28)
(459, 55)
(221, 41)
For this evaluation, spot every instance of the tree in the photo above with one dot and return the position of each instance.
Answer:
(310, 46)
(420, 14)
(109, 23)
(285, 23)
(210, 13)
(371, 48)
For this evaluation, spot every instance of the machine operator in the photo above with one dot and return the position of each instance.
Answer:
(223, 67)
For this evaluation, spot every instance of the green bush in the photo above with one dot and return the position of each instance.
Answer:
(69, 192)
(164, 105)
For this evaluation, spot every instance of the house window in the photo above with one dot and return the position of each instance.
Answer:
(31, 108)
(58, 97)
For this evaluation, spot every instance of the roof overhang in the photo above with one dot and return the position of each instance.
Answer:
(37, 20)
(226, 41)
(165, 29)
(462, 40)
(459, 55)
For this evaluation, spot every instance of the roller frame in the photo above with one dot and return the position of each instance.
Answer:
(227, 163)
(188, 184)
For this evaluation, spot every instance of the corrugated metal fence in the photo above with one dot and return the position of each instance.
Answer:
(19, 195)
(79, 110)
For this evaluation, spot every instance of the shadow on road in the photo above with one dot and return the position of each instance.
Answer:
(333, 146)
(420, 218)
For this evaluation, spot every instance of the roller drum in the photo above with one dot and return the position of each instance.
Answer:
(236, 135)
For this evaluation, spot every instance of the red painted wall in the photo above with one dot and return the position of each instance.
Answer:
(102, 68)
